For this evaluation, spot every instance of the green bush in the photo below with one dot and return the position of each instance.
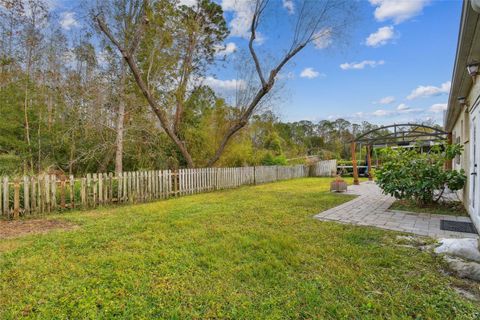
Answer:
(9, 164)
(421, 177)
(270, 160)
(343, 162)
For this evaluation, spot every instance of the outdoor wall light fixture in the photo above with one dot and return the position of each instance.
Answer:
(462, 101)
(472, 69)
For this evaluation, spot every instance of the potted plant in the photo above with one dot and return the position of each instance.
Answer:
(338, 185)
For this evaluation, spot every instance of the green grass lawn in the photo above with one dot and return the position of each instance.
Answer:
(453, 208)
(249, 253)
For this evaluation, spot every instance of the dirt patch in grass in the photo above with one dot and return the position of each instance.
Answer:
(18, 228)
(452, 208)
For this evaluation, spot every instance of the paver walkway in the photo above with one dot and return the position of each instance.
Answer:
(371, 209)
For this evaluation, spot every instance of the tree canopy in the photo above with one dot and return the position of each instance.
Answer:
(72, 102)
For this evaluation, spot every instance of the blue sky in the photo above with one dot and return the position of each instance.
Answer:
(396, 66)
(422, 54)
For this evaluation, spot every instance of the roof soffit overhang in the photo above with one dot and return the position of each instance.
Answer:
(468, 50)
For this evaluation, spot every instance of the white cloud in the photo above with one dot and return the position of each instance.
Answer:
(438, 107)
(402, 112)
(380, 37)
(310, 73)
(225, 50)
(68, 21)
(386, 100)
(399, 110)
(403, 108)
(218, 84)
(361, 65)
(381, 113)
(397, 10)
(323, 38)
(288, 4)
(242, 16)
(428, 91)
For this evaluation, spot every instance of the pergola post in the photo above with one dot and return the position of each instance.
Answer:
(354, 164)
(369, 163)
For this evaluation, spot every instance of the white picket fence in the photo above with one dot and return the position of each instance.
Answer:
(48, 193)
(325, 168)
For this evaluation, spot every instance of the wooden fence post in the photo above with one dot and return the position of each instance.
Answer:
(33, 195)
(63, 192)
(130, 187)
(87, 189)
(175, 182)
(6, 197)
(47, 192)
(72, 192)
(26, 195)
(83, 192)
(41, 194)
(94, 185)
(16, 198)
(100, 188)
(119, 187)
(54, 192)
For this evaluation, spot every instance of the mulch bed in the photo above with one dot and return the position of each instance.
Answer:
(17, 228)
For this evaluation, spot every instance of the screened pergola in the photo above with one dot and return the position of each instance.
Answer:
(402, 135)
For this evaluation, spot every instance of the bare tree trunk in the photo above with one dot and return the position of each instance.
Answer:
(50, 111)
(106, 160)
(159, 112)
(39, 142)
(72, 154)
(26, 120)
(120, 124)
(313, 23)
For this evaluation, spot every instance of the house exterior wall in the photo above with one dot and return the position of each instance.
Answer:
(460, 134)
(458, 118)
(474, 109)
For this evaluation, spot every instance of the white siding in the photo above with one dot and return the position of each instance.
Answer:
(461, 134)
(461, 129)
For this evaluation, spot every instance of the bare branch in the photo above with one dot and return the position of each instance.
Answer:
(252, 39)
(104, 28)
(159, 112)
(182, 87)
(305, 32)
(138, 35)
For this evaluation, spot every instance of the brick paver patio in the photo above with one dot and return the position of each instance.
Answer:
(371, 209)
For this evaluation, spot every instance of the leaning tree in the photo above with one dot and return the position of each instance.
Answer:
(171, 46)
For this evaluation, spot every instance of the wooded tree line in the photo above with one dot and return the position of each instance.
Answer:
(126, 91)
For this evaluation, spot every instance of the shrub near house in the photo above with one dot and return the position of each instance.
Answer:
(412, 175)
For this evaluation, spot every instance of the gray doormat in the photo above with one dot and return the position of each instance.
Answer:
(457, 226)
